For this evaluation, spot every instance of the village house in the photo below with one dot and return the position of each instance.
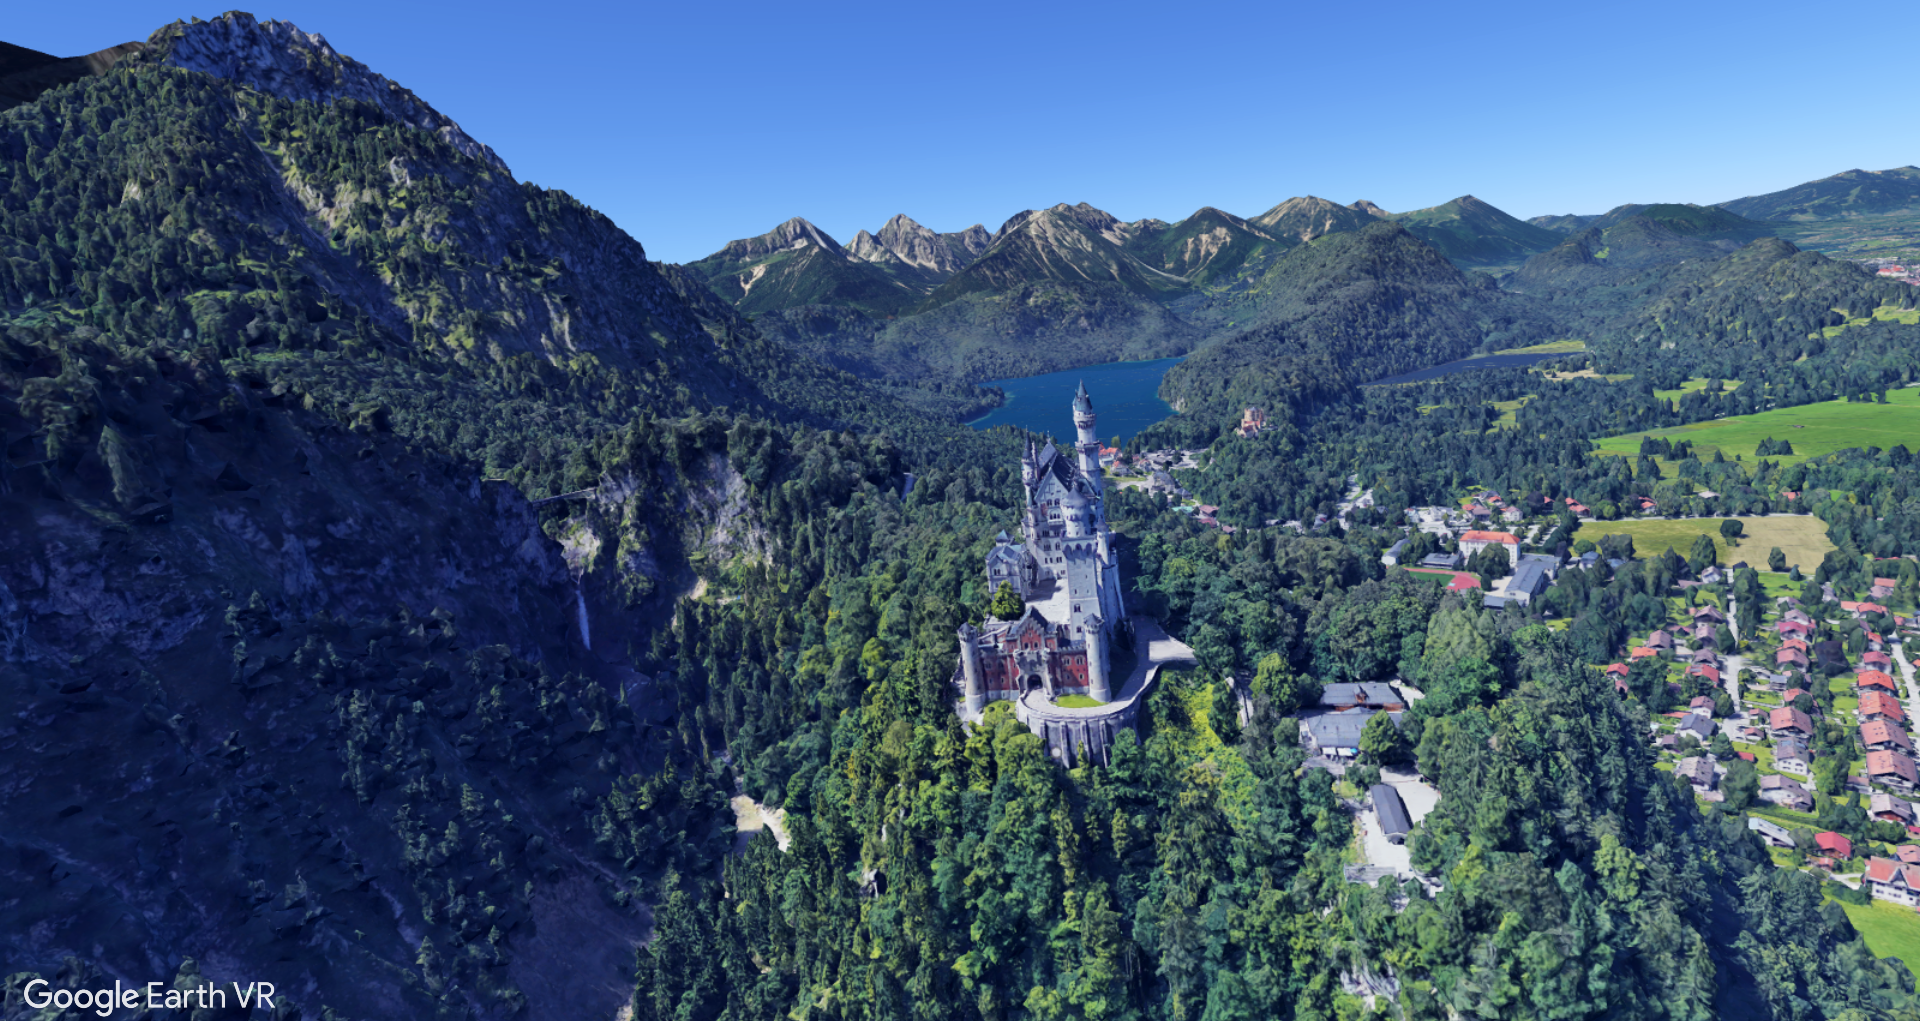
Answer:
(1698, 771)
(1709, 614)
(1786, 792)
(1336, 735)
(1907, 854)
(1883, 588)
(1892, 769)
(1877, 660)
(1704, 657)
(1365, 694)
(1793, 628)
(1795, 643)
(1711, 673)
(1511, 515)
(1791, 658)
(1876, 679)
(1659, 640)
(1887, 808)
(1699, 725)
(1888, 879)
(1787, 721)
(1796, 615)
(1878, 705)
(1771, 833)
(1791, 756)
(1881, 736)
(1643, 652)
(1835, 844)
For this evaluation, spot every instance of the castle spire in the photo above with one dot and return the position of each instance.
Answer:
(1082, 401)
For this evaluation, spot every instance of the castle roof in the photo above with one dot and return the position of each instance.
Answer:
(1081, 401)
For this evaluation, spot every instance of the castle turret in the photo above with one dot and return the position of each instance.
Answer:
(1089, 444)
(1097, 683)
(970, 667)
(1078, 512)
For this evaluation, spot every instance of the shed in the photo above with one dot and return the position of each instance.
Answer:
(1391, 812)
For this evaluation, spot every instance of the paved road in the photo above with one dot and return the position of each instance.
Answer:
(1900, 655)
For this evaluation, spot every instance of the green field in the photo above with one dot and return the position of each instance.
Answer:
(1802, 537)
(1078, 702)
(1690, 385)
(1891, 930)
(1551, 347)
(1813, 429)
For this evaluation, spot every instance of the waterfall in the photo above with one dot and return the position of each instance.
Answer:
(580, 600)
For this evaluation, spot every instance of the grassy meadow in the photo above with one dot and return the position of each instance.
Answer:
(1802, 537)
(1813, 429)
(1891, 930)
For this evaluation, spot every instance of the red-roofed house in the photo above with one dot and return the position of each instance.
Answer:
(1878, 660)
(1619, 670)
(1793, 627)
(1881, 736)
(1908, 854)
(1834, 844)
(1883, 588)
(1795, 643)
(1862, 609)
(1642, 653)
(1876, 679)
(1878, 705)
(1701, 703)
(1888, 879)
(1894, 769)
(1790, 657)
(1477, 540)
(1711, 673)
(1787, 721)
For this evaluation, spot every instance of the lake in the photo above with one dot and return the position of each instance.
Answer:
(1125, 397)
(1469, 365)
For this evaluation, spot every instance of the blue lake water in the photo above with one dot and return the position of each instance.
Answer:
(1125, 397)
(1467, 365)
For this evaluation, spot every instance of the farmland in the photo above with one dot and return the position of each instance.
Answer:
(1813, 429)
(1802, 538)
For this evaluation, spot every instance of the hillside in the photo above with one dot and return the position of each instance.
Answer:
(1849, 194)
(1303, 218)
(1631, 239)
(1472, 232)
(1345, 310)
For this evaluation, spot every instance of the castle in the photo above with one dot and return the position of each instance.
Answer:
(1068, 577)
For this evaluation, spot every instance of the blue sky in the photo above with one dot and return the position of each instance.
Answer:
(691, 124)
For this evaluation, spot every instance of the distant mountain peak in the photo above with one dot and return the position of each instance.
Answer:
(1304, 217)
(276, 57)
(1364, 206)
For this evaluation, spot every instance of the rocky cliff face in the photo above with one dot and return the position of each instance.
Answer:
(277, 58)
(917, 254)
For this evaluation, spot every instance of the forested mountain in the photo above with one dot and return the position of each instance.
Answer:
(1847, 194)
(1204, 247)
(1472, 232)
(1347, 309)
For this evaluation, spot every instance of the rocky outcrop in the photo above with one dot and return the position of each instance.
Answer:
(276, 57)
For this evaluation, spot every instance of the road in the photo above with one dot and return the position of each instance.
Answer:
(1899, 654)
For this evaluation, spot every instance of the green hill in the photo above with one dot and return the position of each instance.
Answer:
(1471, 232)
(1344, 310)
(1848, 194)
